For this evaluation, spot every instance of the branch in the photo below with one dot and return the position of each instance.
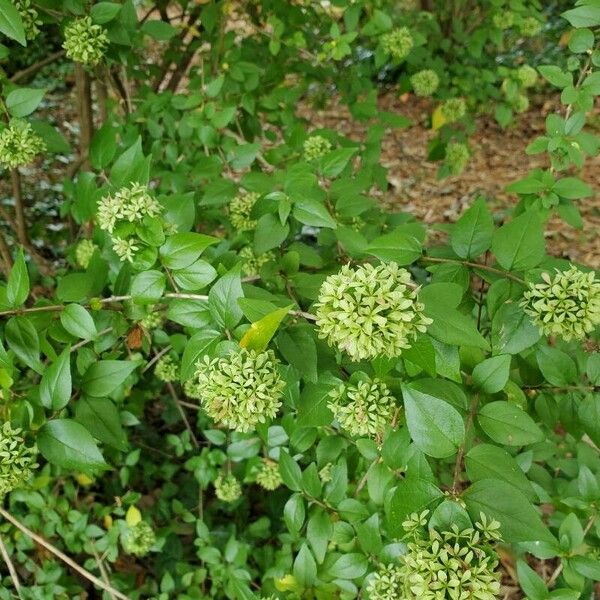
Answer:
(474, 265)
(11, 568)
(32, 69)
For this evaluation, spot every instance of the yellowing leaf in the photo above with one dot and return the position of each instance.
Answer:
(260, 333)
(133, 516)
(108, 522)
(437, 118)
(83, 479)
(286, 583)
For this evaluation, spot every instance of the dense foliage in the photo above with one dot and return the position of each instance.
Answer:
(231, 374)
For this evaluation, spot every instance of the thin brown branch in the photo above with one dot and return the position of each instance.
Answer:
(186, 422)
(83, 87)
(5, 256)
(33, 69)
(475, 265)
(11, 568)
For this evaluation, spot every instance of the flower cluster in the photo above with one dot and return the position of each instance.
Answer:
(425, 82)
(152, 320)
(240, 209)
(566, 304)
(527, 76)
(251, 263)
(315, 147)
(29, 17)
(450, 565)
(503, 19)
(138, 539)
(364, 409)
(398, 43)
(166, 369)
(85, 42)
(84, 252)
(530, 26)
(454, 109)
(227, 488)
(457, 157)
(520, 103)
(268, 475)
(370, 311)
(241, 389)
(19, 144)
(17, 460)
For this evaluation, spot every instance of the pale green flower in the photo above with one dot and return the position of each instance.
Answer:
(457, 157)
(192, 389)
(251, 263)
(241, 389)
(138, 539)
(239, 211)
(325, 473)
(398, 43)
(504, 19)
(315, 147)
(566, 304)
(364, 409)
(84, 252)
(129, 204)
(166, 369)
(19, 144)
(227, 488)
(268, 475)
(152, 320)
(454, 109)
(85, 42)
(125, 249)
(527, 76)
(530, 26)
(386, 583)
(370, 311)
(17, 460)
(29, 17)
(425, 82)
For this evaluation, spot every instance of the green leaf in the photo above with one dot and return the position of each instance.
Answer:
(56, 386)
(318, 533)
(260, 333)
(103, 377)
(131, 166)
(556, 76)
(290, 471)
(103, 146)
(586, 566)
(434, 425)
(349, 566)
(101, 418)
(78, 322)
(519, 245)
(182, 249)
(507, 424)
(22, 339)
(581, 40)
(11, 24)
(17, 287)
(297, 345)
(294, 513)
(491, 375)
(312, 405)
(512, 330)
(159, 30)
(305, 567)
(223, 299)
(472, 234)
(148, 287)
(55, 141)
(556, 366)
(312, 212)
(583, 16)
(572, 188)
(398, 246)
(335, 161)
(69, 445)
(23, 101)
(519, 520)
(103, 12)
(269, 233)
(198, 345)
(453, 327)
(531, 583)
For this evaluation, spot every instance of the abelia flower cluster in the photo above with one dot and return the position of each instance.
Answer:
(85, 42)
(29, 17)
(166, 369)
(530, 26)
(240, 209)
(370, 311)
(457, 157)
(425, 82)
(315, 147)
(152, 320)
(138, 539)
(398, 43)
(84, 252)
(365, 409)
(454, 109)
(17, 459)
(268, 476)
(19, 144)
(252, 263)
(239, 390)
(227, 488)
(504, 19)
(566, 304)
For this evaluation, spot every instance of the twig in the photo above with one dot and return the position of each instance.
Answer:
(5, 255)
(32, 69)
(182, 413)
(474, 265)
(11, 568)
(84, 342)
(156, 358)
(102, 569)
(62, 556)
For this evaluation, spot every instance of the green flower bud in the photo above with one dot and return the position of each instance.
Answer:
(315, 147)
(425, 82)
(386, 583)
(457, 157)
(398, 43)
(125, 249)
(130, 204)
(166, 369)
(153, 320)
(527, 76)
(454, 109)
(241, 389)
(19, 144)
(530, 26)
(504, 19)
(325, 473)
(85, 42)
(29, 16)
(268, 475)
(240, 209)
(17, 460)
(138, 539)
(566, 304)
(84, 252)
(251, 263)
(364, 409)
(370, 311)
(227, 488)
